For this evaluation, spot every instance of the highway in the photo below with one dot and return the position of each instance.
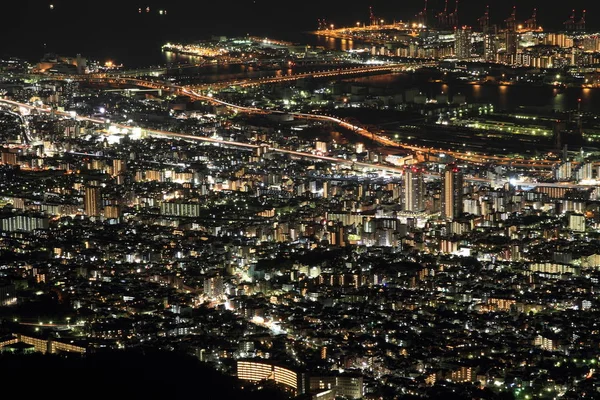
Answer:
(380, 139)
(339, 72)
(160, 133)
(392, 170)
(357, 129)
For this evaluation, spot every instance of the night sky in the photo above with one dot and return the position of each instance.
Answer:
(268, 15)
(111, 28)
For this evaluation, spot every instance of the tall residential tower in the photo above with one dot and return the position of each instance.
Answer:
(452, 192)
(414, 189)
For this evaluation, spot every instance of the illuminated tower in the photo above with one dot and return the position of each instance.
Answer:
(511, 37)
(452, 185)
(462, 44)
(489, 49)
(92, 201)
(414, 189)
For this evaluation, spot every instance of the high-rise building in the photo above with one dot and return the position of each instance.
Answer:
(119, 167)
(452, 194)
(584, 172)
(23, 223)
(564, 171)
(92, 201)
(489, 35)
(489, 47)
(462, 44)
(112, 212)
(214, 287)
(577, 222)
(258, 370)
(511, 38)
(414, 189)
(8, 158)
(180, 209)
(348, 386)
(321, 147)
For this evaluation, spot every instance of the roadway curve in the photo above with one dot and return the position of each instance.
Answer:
(374, 166)
(160, 133)
(380, 139)
(294, 77)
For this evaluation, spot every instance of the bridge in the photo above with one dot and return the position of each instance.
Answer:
(342, 122)
(128, 91)
(10, 110)
(339, 72)
(176, 135)
(393, 171)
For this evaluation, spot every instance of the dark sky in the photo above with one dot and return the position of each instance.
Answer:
(265, 15)
(114, 28)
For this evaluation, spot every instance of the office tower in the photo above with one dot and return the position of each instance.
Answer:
(92, 201)
(414, 189)
(214, 287)
(452, 184)
(489, 46)
(462, 44)
(511, 37)
(577, 222)
(563, 171)
(321, 147)
(119, 166)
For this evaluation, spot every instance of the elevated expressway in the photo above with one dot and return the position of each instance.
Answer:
(196, 93)
(392, 171)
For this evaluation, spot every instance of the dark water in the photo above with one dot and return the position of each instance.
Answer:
(502, 97)
(115, 31)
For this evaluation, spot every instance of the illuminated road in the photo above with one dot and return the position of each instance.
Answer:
(340, 72)
(159, 133)
(380, 139)
(64, 326)
(393, 171)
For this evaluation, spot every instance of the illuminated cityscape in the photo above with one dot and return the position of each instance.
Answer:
(404, 206)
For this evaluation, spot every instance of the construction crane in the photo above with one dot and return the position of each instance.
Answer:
(484, 21)
(422, 16)
(453, 17)
(531, 23)
(443, 16)
(511, 22)
(489, 49)
(580, 25)
(372, 18)
(322, 24)
(570, 23)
